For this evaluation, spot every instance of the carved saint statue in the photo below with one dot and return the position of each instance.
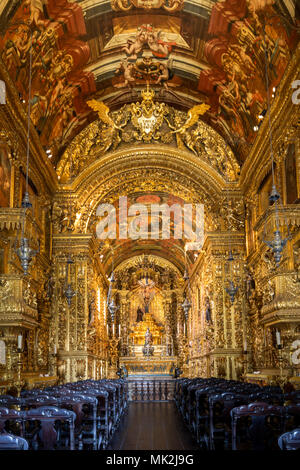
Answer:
(139, 314)
(208, 310)
(148, 338)
(147, 292)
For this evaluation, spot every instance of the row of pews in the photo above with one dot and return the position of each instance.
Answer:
(72, 416)
(227, 414)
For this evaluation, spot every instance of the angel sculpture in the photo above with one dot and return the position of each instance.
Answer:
(183, 136)
(110, 132)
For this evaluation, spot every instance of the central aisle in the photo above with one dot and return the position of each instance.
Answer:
(152, 426)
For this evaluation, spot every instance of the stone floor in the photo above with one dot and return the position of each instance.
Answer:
(152, 426)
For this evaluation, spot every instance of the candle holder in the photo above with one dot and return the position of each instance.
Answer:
(19, 382)
(280, 359)
(112, 331)
(54, 356)
(245, 363)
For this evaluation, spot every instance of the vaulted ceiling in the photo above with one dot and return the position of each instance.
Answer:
(189, 51)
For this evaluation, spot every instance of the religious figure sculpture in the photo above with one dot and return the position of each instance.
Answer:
(148, 349)
(208, 310)
(139, 316)
(148, 338)
(147, 292)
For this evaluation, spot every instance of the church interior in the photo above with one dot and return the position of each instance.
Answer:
(116, 118)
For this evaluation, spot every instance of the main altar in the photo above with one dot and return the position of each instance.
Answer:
(160, 362)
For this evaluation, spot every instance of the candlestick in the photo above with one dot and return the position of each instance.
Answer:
(245, 345)
(20, 339)
(113, 329)
(54, 349)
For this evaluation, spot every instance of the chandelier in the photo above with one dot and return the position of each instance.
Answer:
(186, 305)
(111, 305)
(232, 289)
(24, 252)
(278, 242)
(69, 292)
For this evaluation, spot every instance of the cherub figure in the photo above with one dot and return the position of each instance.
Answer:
(165, 75)
(135, 47)
(157, 46)
(128, 71)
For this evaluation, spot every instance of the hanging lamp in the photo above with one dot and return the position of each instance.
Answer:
(69, 292)
(232, 289)
(278, 242)
(111, 305)
(24, 252)
(186, 305)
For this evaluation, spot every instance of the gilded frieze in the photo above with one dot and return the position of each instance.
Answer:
(149, 122)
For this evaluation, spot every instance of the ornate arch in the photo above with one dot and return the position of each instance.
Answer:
(135, 261)
(146, 167)
(119, 129)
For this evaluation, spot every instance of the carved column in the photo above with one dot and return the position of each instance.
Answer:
(73, 330)
(179, 317)
(168, 317)
(124, 321)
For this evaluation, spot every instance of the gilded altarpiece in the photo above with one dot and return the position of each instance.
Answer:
(77, 329)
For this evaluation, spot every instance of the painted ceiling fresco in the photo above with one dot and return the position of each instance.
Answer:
(165, 245)
(189, 52)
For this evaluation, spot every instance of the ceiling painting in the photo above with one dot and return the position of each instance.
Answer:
(188, 52)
